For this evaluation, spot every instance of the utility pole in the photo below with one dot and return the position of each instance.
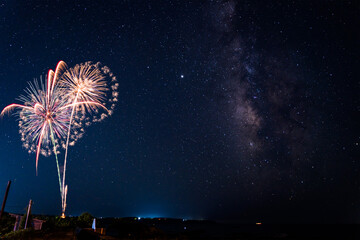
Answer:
(28, 213)
(5, 197)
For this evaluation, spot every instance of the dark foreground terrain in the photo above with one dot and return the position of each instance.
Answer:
(162, 228)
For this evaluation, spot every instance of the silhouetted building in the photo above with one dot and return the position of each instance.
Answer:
(36, 224)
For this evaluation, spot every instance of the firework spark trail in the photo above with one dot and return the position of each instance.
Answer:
(56, 157)
(64, 193)
(51, 85)
(38, 147)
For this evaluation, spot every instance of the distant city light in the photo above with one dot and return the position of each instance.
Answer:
(258, 223)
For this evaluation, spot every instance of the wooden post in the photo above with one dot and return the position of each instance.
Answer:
(5, 197)
(17, 223)
(28, 213)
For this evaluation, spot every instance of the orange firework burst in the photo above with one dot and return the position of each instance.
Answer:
(44, 115)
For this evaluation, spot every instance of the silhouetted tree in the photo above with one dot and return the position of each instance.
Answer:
(85, 220)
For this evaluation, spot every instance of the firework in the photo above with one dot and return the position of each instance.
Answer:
(44, 117)
(90, 87)
(55, 113)
(89, 82)
(42, 114)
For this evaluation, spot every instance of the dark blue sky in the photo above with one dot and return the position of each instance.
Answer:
(227, 110)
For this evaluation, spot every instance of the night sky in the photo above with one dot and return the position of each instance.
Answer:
(228, 110)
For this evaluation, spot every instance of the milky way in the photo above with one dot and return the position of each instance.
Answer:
(268, 102)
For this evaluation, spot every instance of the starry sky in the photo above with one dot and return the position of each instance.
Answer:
(228, 110)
